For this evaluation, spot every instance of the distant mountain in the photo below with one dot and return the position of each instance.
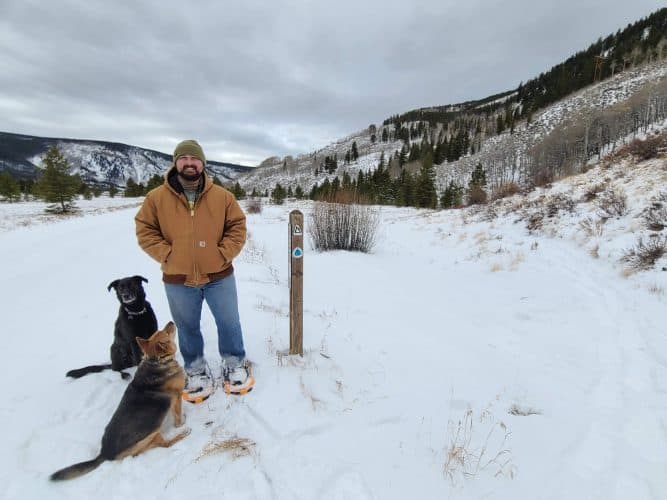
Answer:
(97, 162)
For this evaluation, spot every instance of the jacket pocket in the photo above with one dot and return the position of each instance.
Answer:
(179, 258)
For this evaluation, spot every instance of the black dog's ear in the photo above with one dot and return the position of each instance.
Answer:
(113, 284)
(140, 278)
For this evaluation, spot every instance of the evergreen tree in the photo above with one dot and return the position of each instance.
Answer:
(278, 194)
(238, 192)
(216, 181)
(56, 185)
(298, 192)
(9, 188)
(290, 194)
(133, 190)
(355, 151)
(385, 135)
(453, 196)
(158, 180)
(426, 194)
(476, 192)
(113, 191)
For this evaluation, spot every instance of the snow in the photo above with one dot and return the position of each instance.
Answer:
(466, 357)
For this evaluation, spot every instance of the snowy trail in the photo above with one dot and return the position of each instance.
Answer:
(400, 345)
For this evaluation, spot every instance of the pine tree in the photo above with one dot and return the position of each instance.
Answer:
(132, 189)
(427, 196)
(56, 185)
(9, 188)
(355, 151)
(453, 196)
(113, 191)
(278, 194)
(476, 192)
(158, 180)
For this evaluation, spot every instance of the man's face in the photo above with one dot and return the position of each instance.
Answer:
(189, 167)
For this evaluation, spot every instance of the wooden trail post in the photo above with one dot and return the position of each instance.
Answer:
(296, 282)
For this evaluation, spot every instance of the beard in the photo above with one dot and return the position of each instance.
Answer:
(189, 176)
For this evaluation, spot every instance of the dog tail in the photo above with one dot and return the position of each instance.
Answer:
(80, 372)
(77, 470)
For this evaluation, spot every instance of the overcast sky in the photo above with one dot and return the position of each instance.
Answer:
(252, 79)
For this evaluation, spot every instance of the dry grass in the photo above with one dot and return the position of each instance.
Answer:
(496, 267)
(656, 290)
(235, 446)
(522, 411)
(471, 450)
(518, 259)
(595, 251)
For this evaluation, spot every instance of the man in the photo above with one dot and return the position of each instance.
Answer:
(194, 229)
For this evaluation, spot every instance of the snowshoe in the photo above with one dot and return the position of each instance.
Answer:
(238, 380)
(198, 387)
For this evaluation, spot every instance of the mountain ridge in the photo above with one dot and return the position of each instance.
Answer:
(98, 162)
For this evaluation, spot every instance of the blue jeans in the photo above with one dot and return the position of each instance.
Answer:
(185, 303)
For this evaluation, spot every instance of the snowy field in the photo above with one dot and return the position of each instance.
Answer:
(466, 357)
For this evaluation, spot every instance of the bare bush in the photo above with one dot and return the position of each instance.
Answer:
(592, 226)
(535, 221)
(339, 226)
(593, 191)
(506, 190)
(644, 255)
(655, 216)
(477, 196)
(559, 202)
(254, 206)
(612, 203)
(649, 148)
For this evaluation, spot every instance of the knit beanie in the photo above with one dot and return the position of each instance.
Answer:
(189, 148)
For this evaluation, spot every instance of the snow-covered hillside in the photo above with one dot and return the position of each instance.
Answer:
(300, 170)
(497, 352)
(96, 162)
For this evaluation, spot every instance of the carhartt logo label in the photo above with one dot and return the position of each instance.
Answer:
(202, 244)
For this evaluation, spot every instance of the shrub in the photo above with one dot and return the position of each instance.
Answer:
(612, 203)
(477, 196)
(506, 190)
(340, 226)
(534, 221)
(655, 216)
(593, 191)
(647, 149)
(644, 255)
(559, 202)
(592, 226)
(254, 206)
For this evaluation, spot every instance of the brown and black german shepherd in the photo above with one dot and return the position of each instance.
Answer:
(155, 390)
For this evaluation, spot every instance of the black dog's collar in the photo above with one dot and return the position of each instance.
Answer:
(133, 313)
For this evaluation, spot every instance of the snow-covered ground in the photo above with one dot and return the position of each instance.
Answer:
(466, 357)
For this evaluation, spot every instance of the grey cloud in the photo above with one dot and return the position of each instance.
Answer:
(258, 79)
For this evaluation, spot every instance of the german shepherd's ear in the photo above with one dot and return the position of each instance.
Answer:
(140, 278)
(143, 344)
(113, 284)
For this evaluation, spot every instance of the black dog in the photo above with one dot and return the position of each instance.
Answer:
(135, 319)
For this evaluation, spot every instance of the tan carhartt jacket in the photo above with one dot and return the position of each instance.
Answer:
(194, 246)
